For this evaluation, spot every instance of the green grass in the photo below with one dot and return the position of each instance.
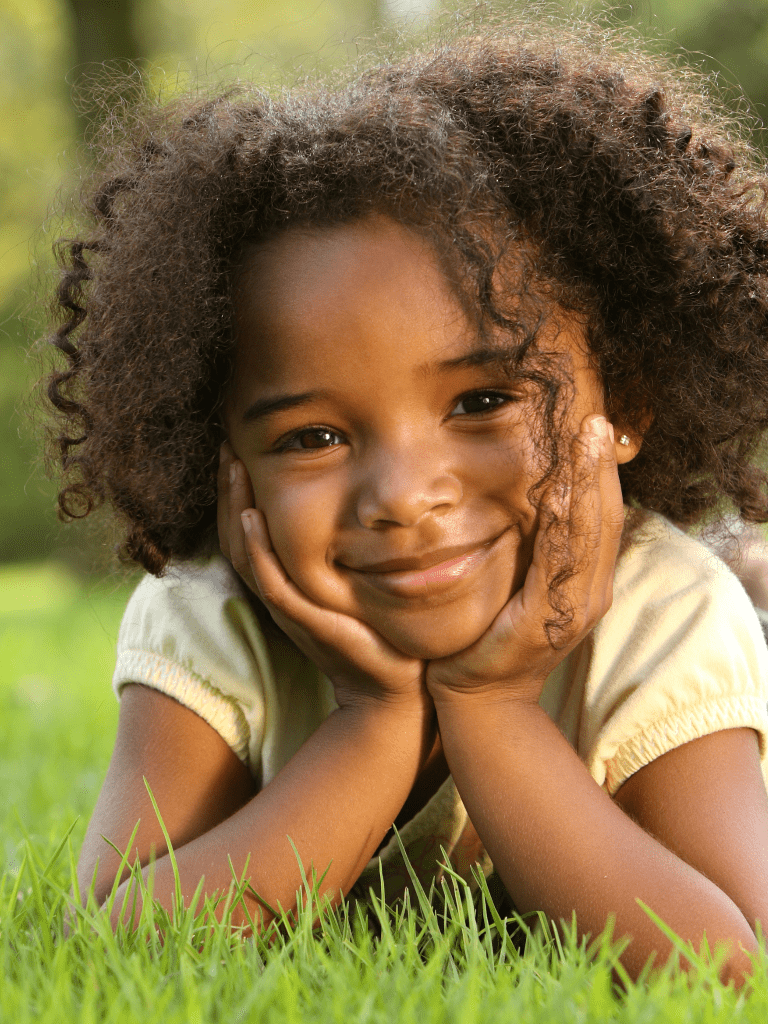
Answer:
(410, 964)
(57, 712)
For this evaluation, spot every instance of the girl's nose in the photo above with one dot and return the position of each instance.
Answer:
(400, 491)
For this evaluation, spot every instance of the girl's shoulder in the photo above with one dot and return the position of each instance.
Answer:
(209, 580)
(193, 635)
(196, 635)
(198, 611)
(668, 583)
(200, 596)
(679, 654)
(658, 553)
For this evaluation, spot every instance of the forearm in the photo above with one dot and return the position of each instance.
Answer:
(335, 799)
(560, 844)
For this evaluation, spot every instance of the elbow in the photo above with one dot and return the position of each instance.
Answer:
(738, 944)
(729, 950)
(734, 957)
(738, 964)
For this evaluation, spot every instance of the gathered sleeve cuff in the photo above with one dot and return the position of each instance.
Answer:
(191, 636)
(680, 654)
(222, 712)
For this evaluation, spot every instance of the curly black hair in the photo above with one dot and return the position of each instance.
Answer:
(643, 210)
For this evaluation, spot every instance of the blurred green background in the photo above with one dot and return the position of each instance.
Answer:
(47, 49)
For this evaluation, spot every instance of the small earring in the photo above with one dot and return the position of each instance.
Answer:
(624, 440)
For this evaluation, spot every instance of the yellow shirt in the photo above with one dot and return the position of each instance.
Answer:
(679, 655)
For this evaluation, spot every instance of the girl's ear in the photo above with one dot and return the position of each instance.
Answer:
(627, 440)
(626, 444)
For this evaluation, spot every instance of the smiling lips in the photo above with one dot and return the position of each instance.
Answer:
(440, 570)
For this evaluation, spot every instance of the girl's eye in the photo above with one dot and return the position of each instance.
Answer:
(311, 440)
(479, 402)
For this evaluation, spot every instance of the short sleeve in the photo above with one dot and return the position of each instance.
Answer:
(194, 636)
(679, 655)
(190, 635)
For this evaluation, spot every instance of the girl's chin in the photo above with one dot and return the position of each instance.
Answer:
(439, 640)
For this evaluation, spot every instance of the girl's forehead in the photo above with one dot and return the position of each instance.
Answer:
(308, 264)
(371, 293)
(371, 276)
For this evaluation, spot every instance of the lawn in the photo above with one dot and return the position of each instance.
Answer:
(58, 721)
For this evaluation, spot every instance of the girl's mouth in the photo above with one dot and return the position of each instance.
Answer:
(419, 577)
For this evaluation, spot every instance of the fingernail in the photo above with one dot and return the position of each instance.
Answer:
(610, 432)
(600, 427)
(247, 520)
(233, 472)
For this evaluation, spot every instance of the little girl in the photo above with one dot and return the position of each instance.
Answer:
(462, 341)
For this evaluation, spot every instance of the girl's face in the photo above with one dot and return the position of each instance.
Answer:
(386, 446)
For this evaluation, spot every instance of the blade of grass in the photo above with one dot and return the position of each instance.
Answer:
(14, 896)
(178, 899)
(243, 885)
(109, 903)
(73, 872)
(425, 904)
(507, 945)
(55, 856)
(683, 948)
(43, 931)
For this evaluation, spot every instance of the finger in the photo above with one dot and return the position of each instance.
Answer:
(286, 602)
(612, 512)
(240, 499)
(521, 624)
(226, 456)
(315, 629)
(274, 585)
(609, 509)
(552, 543)
(565, 592)
(597, 517)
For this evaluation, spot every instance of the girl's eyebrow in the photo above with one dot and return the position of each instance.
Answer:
(481, 355)
(267, 406)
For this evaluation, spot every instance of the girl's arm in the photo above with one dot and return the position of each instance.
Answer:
(697, 853)
(195, 777)
(561, 845)
(336, 799)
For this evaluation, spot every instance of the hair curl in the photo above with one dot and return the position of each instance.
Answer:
(645, 213)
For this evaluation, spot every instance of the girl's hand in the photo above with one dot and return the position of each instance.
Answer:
(580, 528)
(357, 660)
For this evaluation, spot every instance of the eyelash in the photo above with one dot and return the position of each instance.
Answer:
(505, 398)
(287, 444)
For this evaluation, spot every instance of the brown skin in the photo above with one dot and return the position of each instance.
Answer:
(399, 459)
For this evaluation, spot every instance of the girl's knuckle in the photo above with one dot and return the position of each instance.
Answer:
(269, 594)
(614, 520)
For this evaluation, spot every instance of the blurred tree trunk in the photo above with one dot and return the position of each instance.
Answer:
(106, 52)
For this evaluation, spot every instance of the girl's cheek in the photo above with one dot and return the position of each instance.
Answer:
(508, 472)
(302, 524)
